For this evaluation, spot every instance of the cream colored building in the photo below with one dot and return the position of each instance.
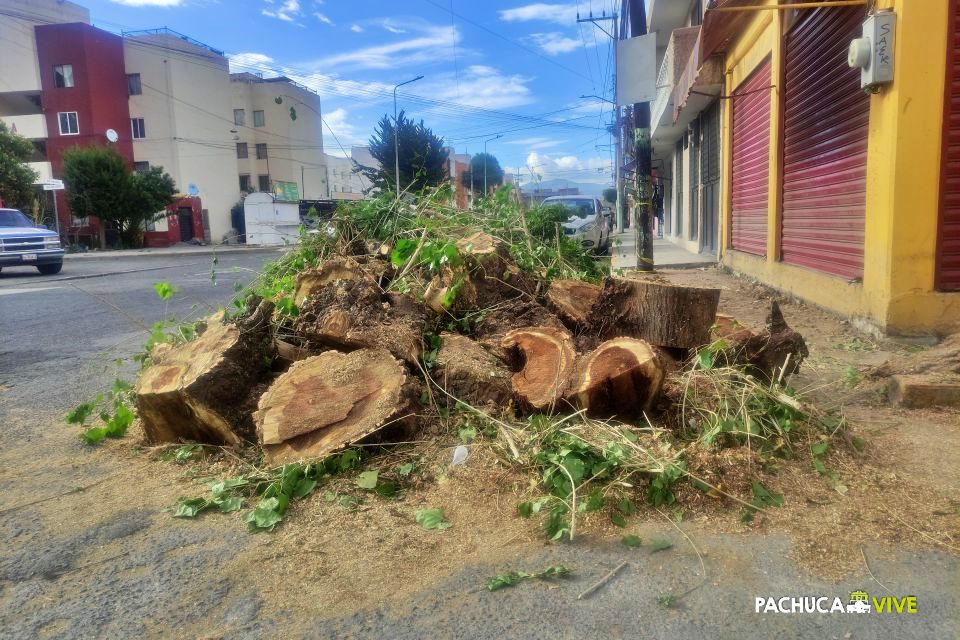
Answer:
(181, 119)
(279, 136)
(346, 182)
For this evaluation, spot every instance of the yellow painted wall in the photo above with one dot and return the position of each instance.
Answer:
(903, 171)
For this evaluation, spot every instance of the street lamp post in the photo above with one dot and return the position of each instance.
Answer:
(396, 132)
(486, 158)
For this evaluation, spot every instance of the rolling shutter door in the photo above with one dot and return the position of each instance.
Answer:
(948, 245)
(826, 116)
(749, 184)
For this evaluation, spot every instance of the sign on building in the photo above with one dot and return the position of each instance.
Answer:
(637, 69)
(286, 191)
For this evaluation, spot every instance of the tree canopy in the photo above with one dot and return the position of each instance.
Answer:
(610, 194)
(423, 158)
(473, 177)
(16, 178)
(99, 184)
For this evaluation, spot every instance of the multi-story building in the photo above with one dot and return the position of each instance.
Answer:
(160, 99)
(344, 177)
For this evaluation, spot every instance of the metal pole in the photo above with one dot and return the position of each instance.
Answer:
(303, 185)
(56, 213)
(486, 159)
(396, 132)
(618, 179)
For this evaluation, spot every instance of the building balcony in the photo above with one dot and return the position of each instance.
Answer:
(32, 127)
(679, 49)
(664, 16)
(43, 170)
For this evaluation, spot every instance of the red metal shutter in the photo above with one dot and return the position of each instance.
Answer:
(825, 145)
(749, 176)
(948, 245)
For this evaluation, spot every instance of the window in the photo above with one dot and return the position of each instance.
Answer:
(242, 150)
(139, 131)
(63, 76)
(258, 119)
(245, 183)
(68, 123)
(261, 151)
(141, 166)
(134, 88)
(264, 183)
(239, 117)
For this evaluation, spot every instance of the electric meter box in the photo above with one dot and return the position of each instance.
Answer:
(873, 52)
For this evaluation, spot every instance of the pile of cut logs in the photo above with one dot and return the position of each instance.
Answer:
(353, 361)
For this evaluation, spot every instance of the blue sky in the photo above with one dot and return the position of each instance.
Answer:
(515, 68)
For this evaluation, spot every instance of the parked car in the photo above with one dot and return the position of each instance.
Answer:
(24, 244)
(588, 223)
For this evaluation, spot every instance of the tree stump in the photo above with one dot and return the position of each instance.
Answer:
(621, 378)
(334, 269)
(200, 391)
(354, 314)
(470, 373)
(778, 348)
(330, 401)
(662, 314)
(494, 275)
(503, 319)
(545, 358)
(572, 301)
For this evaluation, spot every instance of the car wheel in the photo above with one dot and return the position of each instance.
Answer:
(50, 269)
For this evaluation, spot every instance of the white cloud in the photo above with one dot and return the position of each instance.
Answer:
(356, 28)
(555, 43)
(149, 3)
(558, 13)
(480, 86)
(288, 10)
(251, 62)
(323, 18)
(431, 44)
(346, 133)
(595, 169)
(536, 143)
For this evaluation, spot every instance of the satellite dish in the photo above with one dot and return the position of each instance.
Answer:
(193, 190)
(112, 135)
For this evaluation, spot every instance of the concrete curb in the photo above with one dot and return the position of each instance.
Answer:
(150, 253)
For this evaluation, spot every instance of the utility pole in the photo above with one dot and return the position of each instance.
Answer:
(486, 161)
(642, 155)
(396, 132)
(618, 180)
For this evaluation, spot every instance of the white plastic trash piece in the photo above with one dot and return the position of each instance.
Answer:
(459, 455)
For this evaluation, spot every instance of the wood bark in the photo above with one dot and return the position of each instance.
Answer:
(334, 269)
(200, 391)
(355, 314)
(545, 358)
(494, 275)
(621, 378)
(501, 320)
(664, 315)
(572, 301)
(469, 373)
(329, 401)
(778, 348)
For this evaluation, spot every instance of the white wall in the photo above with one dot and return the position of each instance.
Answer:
(187, 112)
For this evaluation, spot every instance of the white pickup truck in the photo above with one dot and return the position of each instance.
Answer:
(23, 244)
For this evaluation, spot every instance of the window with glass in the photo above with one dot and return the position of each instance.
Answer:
(245, 183)
(261, 151)
(139, 129)
(69, 125)
(241, 150)
(239, 117)
(134, 88)
(258, 119)
(63, 76)
(264, 183)
(141, 166)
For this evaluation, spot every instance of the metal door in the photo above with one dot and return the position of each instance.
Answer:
(710, 177)
(185, 221)
(948, 240)
(678, 189)
(694, 179)
(750, 171)
(826, 117)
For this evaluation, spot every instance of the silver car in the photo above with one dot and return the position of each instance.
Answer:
(24, 244)
(588, 223)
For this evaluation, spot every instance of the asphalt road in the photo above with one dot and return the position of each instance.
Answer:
(106, 562)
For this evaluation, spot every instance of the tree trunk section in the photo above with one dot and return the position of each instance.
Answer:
(200, 391)
(355, 314)
(334, 269)
(501, 320)
(495, 277)
(546, 359)
(777, 349)
(329, 401)
(470, 373)
(621, 378)
(662, 314)
(572, 300)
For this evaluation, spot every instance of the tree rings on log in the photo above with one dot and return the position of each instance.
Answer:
(546, 357)
(572, 300)
(620, 378)
(329, 401)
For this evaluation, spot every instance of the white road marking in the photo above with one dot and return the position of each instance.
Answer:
(10, 292)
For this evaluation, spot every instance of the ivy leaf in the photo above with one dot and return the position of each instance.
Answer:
(659, 544)
(231, 504)
(190, 507)
(618, 519)
(631, 541)
(367, 479)
(406, 469)
(304, 487)
(432, 519)
(265, 516)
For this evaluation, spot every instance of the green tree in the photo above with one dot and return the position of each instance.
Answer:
(99, 184)
(423, 158)
(16, 178)
(610, 194)
(473, 177)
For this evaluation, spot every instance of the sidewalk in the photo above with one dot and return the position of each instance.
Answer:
(176, 250)
(666, 255)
